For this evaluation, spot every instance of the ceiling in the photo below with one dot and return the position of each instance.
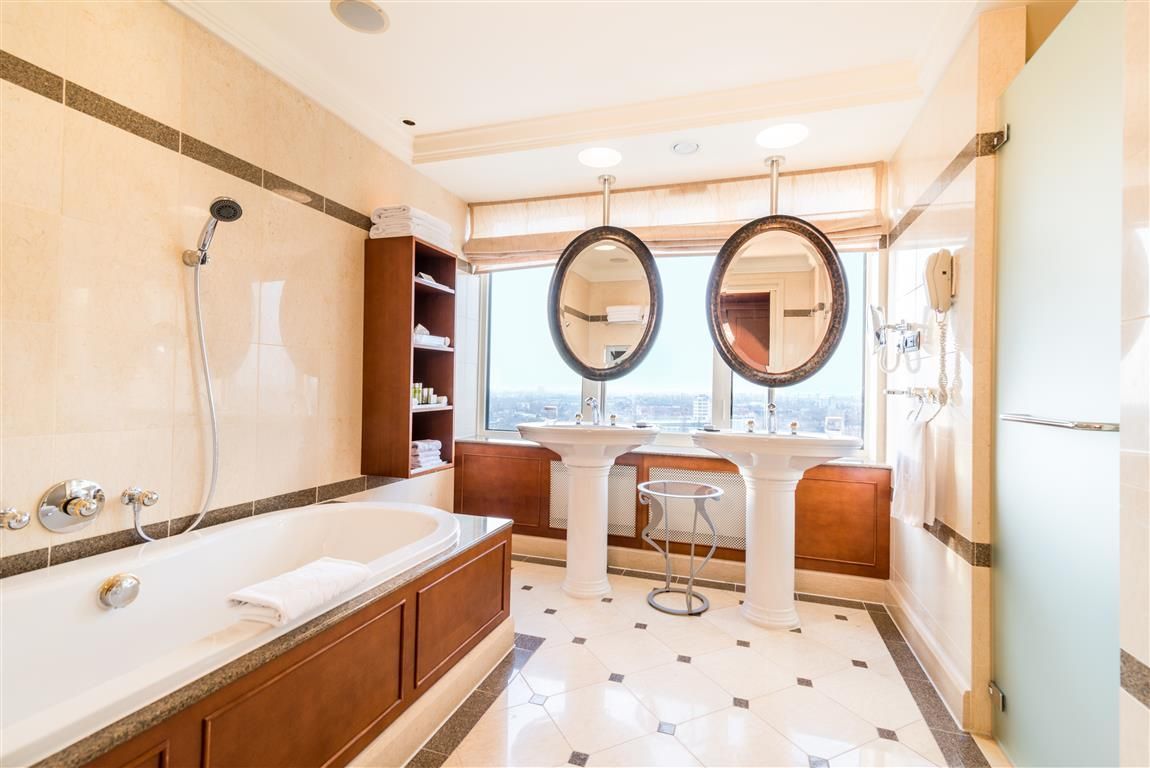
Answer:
(504, 95)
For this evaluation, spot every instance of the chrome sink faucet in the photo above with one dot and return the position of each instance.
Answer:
(593, 403)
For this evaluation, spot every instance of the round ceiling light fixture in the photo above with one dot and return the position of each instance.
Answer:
(685, 147)
(361, 15)
(600, 157)
(782, 136)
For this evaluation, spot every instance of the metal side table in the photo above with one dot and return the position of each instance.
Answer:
(657, 494)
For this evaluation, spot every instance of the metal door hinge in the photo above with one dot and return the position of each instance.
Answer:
(999, 139)
(997, 696)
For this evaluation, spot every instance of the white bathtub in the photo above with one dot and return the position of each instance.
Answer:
(69, 667)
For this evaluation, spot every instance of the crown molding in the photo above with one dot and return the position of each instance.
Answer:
(871, 85)
(334, 96)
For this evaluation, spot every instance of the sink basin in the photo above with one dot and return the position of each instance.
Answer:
(588, 451)
(771, 466)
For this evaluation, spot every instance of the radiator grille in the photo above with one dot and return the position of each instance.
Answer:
(729, 513)
(621, 484)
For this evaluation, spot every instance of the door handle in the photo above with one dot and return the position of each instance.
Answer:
(1082, 426)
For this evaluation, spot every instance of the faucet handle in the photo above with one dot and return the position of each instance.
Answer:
(13, 519)
(591, 401)
(136, 495)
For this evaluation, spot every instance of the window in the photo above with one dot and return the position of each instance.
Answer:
(671, 388)
(836, 390)
(524, 372)
(677, 383)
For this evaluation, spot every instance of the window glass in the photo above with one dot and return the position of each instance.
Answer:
(836, 390)
(524, 372)
(671, 388)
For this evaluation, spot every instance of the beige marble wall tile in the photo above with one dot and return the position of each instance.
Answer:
(31, 151)
(29, 264)
(27, 372)
(298, 122)
(26, 471)
(128, 52)
(35, 31)
(1134, 731)
(1001, 56)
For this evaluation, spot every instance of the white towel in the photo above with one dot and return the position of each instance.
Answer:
(409, 229)
(436, 444)
(626, 313)
(428, 464)
(387, 213)
(914, 476)
(286, 597)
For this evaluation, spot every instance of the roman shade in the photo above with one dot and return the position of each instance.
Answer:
(845, 202)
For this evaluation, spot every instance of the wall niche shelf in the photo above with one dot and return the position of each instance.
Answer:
(394, 300)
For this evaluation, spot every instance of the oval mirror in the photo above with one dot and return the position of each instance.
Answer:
(605, 303)
(777, 301)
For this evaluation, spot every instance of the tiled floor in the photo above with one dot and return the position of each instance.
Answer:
(616, 683)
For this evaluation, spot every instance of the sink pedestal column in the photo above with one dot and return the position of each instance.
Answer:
(770, 563)
(586, 573)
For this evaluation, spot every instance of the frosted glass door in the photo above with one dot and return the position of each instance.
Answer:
(1055, 560)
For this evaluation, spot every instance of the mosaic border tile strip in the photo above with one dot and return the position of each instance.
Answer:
(58, 554)
(52, 86)
(957, 746)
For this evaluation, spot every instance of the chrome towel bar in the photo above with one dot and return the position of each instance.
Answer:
(1084, 426)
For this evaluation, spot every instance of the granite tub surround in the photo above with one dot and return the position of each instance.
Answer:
(619, 683)
(474, 533)
(122, 121)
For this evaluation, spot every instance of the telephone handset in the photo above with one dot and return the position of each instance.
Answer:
(939, 280)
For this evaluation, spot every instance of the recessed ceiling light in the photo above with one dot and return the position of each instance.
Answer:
(600, 157)
(684, 148)
(360, 15)
(605, 247)
(782, 136)
(407, 121)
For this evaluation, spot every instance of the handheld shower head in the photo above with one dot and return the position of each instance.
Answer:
(223, 209)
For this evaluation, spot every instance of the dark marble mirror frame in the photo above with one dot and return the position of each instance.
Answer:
(826, 250)
(555, 304)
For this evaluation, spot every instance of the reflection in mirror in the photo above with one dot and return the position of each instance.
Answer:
(605, 303)
(780, 300)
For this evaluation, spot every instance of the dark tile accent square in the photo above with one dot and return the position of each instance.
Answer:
(640, 625)
(797, 630)
(615, 677)
(292, 191)
(347, 215)
(743, 643)
(579, 640)
(740, 602)
(34, 560)
(840, 617)
(27, 75)
(888, 734)
(425, 758)
(667, 728)
(578, 758)
(537, 698)
(220, 160)
(818, 762)
(550, 611)
(119, 116)
(447, 738)
(607, 600)
(741, 703)
(859, 663)
(528, 642)
(341, 488)
(526, 587)
(300, 498)
(805, 682)
(684, 659)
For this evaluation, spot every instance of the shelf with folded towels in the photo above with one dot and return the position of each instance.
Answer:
(422, 285)
(427, 408)
(433, 347)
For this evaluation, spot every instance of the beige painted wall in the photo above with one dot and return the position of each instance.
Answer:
(941, 601)
(1134, 461)
(99, 363)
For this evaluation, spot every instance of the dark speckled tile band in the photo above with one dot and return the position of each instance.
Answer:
(974, 553)
(49, 85)
(300, 498)
(108, 111)
(27, 75)
(342, 488)
(98, 545)
(14, 565)
(1135, 677)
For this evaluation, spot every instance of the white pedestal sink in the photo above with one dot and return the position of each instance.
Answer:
(771, 466)
(588, 451)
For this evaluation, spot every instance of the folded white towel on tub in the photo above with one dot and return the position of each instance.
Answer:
(286, 597)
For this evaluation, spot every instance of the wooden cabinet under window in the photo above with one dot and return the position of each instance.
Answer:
(395, 299)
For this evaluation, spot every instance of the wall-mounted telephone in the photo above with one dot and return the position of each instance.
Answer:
(939, 279)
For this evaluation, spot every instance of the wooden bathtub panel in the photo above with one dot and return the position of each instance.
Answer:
(309, 713)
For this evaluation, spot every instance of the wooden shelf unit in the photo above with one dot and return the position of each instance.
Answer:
(394, 301)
